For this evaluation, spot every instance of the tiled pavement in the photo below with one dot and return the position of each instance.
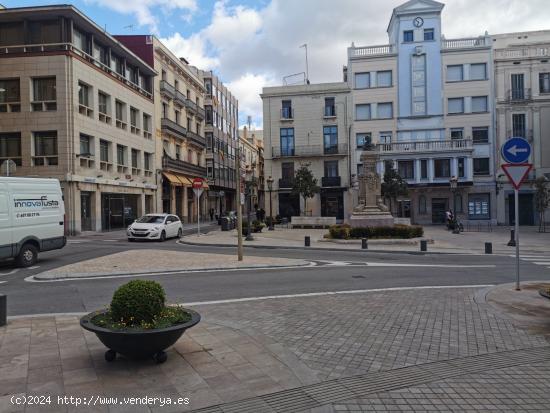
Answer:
(258, 350)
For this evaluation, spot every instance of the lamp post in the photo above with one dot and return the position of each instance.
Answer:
(270, 189)
(453, 182)
(249, 182)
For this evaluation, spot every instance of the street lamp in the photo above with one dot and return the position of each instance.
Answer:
(249, 183)
(270, 189)
(453, 182)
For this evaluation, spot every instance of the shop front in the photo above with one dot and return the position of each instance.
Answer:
(118, 210)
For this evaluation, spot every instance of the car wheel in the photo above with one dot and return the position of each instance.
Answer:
(130, 240)
(162, 237)
(27, 256)
(180, 233)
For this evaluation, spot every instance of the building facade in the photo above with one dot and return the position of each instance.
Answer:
(77, 105)
(308, 125)
(252, 149)
(221, 132)
(179, 127)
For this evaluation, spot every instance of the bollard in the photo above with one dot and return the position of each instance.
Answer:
(512, 242)
(423, 245)
(3, 310)
(488, 248)
(307, 241)
(364, 244)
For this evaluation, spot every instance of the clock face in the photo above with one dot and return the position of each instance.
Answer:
(418, 21)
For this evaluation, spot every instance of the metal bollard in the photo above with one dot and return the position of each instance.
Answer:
(423, 245)
(512, 242)
(488, 248)
(3, 310)
(364, 244)
(307, 241)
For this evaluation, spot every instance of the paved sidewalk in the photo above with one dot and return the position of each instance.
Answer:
(437, 349)
(444, 241)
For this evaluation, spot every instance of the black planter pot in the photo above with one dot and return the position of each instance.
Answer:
(139, 344)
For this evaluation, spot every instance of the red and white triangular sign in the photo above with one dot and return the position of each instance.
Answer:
(517, 172)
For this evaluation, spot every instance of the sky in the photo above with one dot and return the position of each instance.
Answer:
(251, 44)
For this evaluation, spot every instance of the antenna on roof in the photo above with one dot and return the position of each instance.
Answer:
(130, 26)
(307, 65)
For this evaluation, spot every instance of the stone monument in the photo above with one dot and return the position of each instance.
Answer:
(370, 210)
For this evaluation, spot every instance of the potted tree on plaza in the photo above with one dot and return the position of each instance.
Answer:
(305, 184)
(138, 324)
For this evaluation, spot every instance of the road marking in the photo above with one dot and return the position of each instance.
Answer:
(34, 267)
(541, 262)
(384, 264)
(2, 282)
(11, 272)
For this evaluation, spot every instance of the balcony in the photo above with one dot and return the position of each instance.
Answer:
(310, 151)
(330, 181)
(370, 51)
(286, 182)
(173, 128)
(200, 113)
(180, 98)
(426, 146)
(167, 89)
(183, 167)
(518, 95)
(287, 114)
(196, 138)
(465, 43)
(191, 106)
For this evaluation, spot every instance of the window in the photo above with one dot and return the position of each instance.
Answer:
(442, 168)
(362, 112)
(287, 170)
(209, 140)
(178, 152)
(385, 110)
(460, 164)
(330, 107)
(103, 151)
(135, 158)
(12, 33)
(481, 166)
(45, 148)
(189, 156)
(408, 36)
(362, 80)
(383, 78)
(134, 120)
(518, 125)
(423, 169)
(455, 73)
(331, 169)
(286, 110)
(103, 103)
(120, 158)
(43, 94)
(330, 139)
(80, 41)
(85, 145)
(479, 104)
(428, 34)
(455, 105)
(165, 110)
(544, 83)
(84, 94)
(457, 133)
(120, 108)
(478, 71)
(177, 116)
(478, 206)
(147, 126)
(518, 92)
(385, 138)
(163, 75)
(422, 204)
(287, 141)
(406, 169)
(147, 160)
(362, 139)
(480, 134)
(10, 147)
(10, 95)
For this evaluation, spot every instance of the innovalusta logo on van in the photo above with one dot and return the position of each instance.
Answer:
(41, 202)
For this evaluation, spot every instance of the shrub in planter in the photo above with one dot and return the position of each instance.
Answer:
(137, 302)
(339, 231)
(396, 231)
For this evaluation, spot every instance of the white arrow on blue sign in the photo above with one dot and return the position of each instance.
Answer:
(516, 150)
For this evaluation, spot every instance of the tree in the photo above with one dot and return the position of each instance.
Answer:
(305, 184)
(542, 200)
(393, 186)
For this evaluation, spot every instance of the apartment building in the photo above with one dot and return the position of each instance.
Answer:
(426, 101)
(179, 127)
(77, 105)
(221, 133)
(522, 89)
(308, 124)
(253, 144)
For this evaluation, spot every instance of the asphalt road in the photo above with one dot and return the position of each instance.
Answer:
(335, 271)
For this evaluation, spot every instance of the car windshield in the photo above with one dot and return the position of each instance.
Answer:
(151, 219)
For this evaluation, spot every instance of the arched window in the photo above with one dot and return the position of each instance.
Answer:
(422, 204)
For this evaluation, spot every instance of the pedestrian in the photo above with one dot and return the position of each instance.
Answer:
(211, 214)
(448, 218)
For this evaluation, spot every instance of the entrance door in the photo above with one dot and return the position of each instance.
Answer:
(116, 213)
(439, 206)
(332, 205)
(289, 205)
(86, 211)
(526, 209)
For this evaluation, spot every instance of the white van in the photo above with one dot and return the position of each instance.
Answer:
(32, 218)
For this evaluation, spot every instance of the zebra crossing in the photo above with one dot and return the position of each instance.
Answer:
(543, 260)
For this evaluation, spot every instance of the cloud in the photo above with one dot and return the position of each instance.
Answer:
(193, 49)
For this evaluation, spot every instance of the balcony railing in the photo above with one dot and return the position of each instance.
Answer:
(182, 166)
(310, 150)
(200, 112)
(172, 127)
(370, 51)
(522, 52)
(180, 98)
(330, 181)
(191, 106)
(167, 89)
(198, 139)
(465, 43)
(426, 146)
(518, 95)
(286, 182)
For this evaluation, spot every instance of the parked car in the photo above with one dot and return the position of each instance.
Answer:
(155, 226)
(32, 218)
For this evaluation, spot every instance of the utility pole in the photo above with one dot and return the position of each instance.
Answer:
(239, 207)
(307, 65)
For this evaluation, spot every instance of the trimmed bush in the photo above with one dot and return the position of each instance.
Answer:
(339, 231)
(137, 302)
(396, 231)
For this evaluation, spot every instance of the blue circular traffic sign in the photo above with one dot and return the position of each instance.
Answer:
(516, 150)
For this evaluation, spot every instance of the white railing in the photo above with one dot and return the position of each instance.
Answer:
(369, 51)
(522, 52)
(426, 146)
(465, 43)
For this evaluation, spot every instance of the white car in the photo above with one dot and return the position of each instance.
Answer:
(155, 226)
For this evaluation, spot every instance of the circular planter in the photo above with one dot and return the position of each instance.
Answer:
(138, 344)
(544, 293)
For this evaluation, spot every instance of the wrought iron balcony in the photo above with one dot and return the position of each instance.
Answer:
(167, 89)
(183, 167)
(426, 146)
(329, 181)
(518, 95)
(286, 182)
(172, 127)
(309, 151)
(196, 138)
(180, 98)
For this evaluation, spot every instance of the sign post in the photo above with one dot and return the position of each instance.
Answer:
(516, 151)
(197, 189)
